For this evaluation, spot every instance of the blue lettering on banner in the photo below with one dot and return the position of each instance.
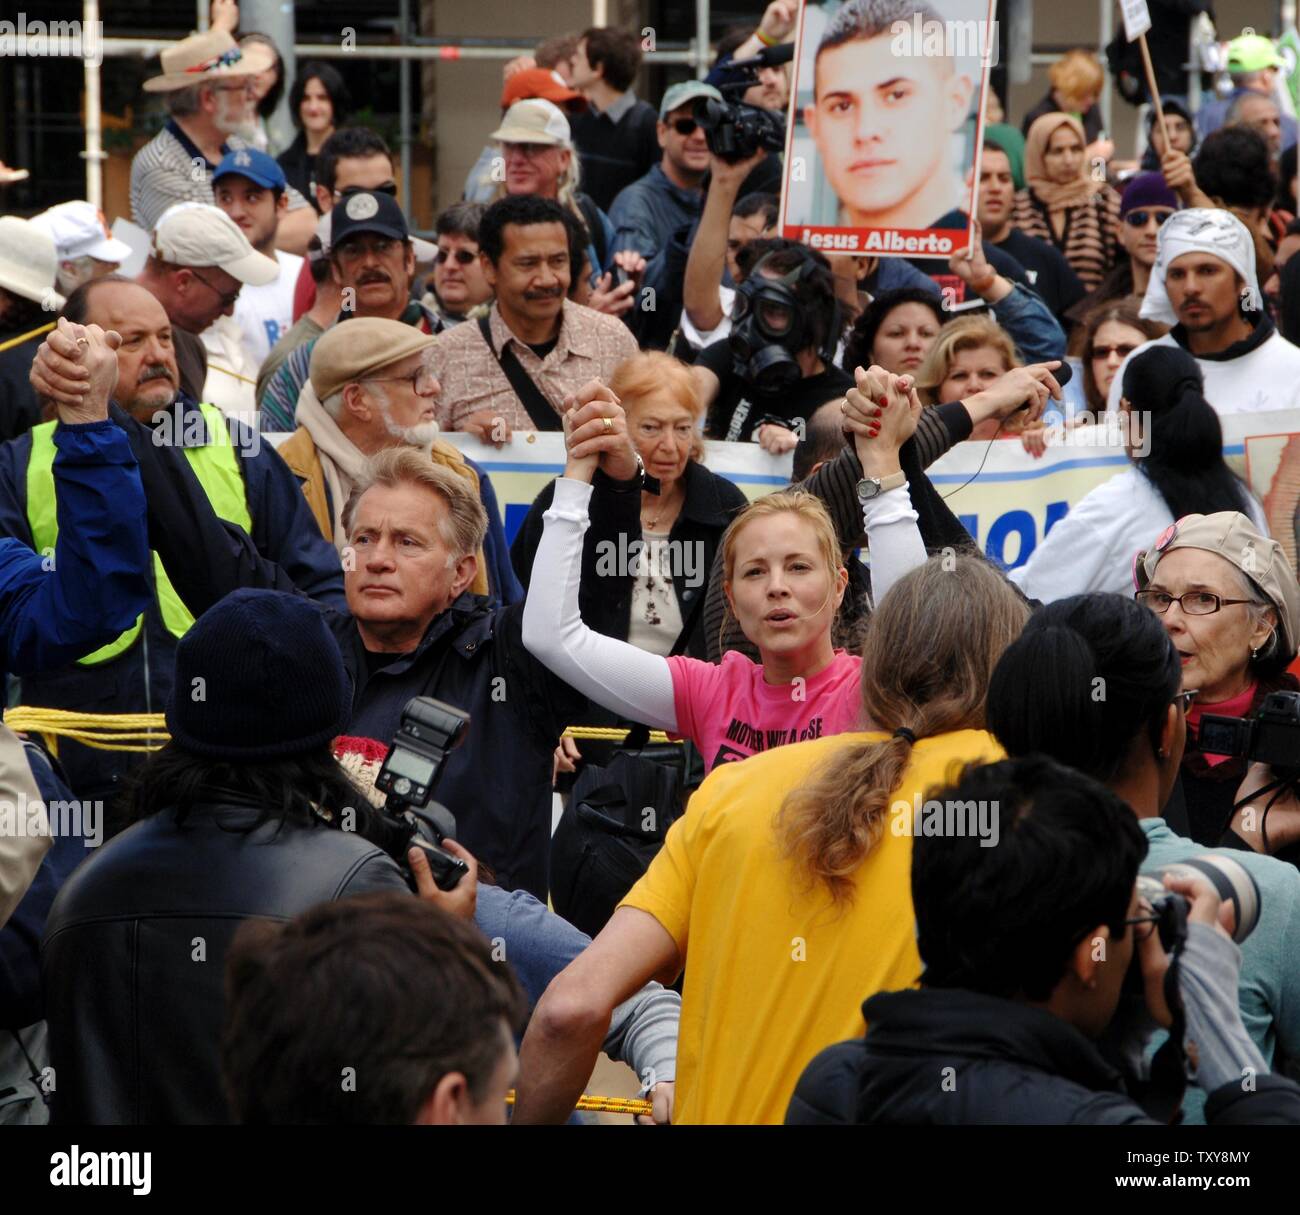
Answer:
(516, 513)
(272, 331)
(1020, 522)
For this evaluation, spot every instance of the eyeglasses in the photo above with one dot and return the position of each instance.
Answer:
(1185, 699)
(389, 188)
(1140, 219)
(1150, 920)
(228, 298)
(685, 126)
(355, 249)
(1193, 603)
(529, 151)
(463, 256)
(1104, 352)
(421, 382)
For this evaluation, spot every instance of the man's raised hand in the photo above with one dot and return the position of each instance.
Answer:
(76, 368)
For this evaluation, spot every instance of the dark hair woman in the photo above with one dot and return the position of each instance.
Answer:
(320, 104)
(1175, 443)
(1108, 335)
(895, 331)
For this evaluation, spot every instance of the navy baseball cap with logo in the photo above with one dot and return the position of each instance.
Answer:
(367, 211)
(256, 166)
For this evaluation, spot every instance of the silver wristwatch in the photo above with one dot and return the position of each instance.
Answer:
(873, 487)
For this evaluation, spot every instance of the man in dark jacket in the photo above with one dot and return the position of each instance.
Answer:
(411, 628)
(243, 478)
(1026, 946)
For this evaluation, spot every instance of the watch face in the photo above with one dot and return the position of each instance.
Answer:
(868, 488)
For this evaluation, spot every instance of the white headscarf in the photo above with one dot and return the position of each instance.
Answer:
(1199, 230)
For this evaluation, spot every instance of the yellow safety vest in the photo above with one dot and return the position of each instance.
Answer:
(214, 463)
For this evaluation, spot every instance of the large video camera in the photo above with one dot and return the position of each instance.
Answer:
(734, 130)
(429, 730)
(1271, 737)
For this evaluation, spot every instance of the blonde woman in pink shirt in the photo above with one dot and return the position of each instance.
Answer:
(784, 583)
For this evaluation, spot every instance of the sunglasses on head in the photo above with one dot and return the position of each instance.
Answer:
(1140, 219)
(463, 256)
(389, 188)
(685, 126)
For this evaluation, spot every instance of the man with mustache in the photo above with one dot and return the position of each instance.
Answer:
(554, 344)
(244, 481)
(372, 260)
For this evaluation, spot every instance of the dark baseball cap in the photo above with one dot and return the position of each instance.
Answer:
(367, 211)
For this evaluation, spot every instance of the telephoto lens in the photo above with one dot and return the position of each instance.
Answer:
(1235, 884)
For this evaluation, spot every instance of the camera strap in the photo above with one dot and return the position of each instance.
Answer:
(540, 410)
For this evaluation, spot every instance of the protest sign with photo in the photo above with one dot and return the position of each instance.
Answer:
(882, 154)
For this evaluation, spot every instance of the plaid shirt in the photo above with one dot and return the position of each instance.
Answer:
(590, 344)
(171, 169)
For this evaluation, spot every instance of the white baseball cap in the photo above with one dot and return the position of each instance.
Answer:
(197, 235)
(78, 229)
(29, 263)
(534, 121)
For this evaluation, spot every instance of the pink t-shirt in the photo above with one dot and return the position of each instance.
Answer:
(729, 713)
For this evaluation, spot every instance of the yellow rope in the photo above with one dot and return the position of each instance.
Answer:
(605, 1105)
(139, 732)
(23, 337)
(612, 734)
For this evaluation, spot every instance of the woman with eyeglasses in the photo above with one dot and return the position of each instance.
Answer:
(1175, 445)
(1066, 202)
(1108, 335)
(1229, 600)
(1095, 683)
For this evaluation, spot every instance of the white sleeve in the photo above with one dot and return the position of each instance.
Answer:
(893, 539)
(631, 682)
(1072, 558)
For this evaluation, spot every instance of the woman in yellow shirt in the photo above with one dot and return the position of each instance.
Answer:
(784, 891)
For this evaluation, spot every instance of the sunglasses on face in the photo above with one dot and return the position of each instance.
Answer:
(685, 126)
(228, 298)
(389, 188)
(463, 256)
(1140, 219)
(1104, 352)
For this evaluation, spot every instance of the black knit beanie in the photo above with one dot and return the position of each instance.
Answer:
(258, 676)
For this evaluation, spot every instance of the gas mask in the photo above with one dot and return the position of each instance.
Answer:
(769, 328)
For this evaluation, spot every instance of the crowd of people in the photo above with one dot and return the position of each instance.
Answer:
(868, 829)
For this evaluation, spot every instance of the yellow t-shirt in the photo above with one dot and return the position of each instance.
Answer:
(774, 973)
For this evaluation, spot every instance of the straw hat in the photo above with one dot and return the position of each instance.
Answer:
(200, 58)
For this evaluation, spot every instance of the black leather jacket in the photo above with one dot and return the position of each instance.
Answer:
(135, 948)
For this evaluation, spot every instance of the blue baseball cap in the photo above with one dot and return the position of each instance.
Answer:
(256, 166)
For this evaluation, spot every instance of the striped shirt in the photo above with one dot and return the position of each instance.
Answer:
(171, 169)
(1090, 239)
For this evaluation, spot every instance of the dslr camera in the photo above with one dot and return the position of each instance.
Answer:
(429, 730)
(1271, 737)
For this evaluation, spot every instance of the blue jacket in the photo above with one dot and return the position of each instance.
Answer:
(140, 680)
(647, 213)
(101, 560)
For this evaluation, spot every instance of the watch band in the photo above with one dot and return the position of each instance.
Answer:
(872, 487)
(633, 483)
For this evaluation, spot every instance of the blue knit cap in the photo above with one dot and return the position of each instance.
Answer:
(258, 676)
